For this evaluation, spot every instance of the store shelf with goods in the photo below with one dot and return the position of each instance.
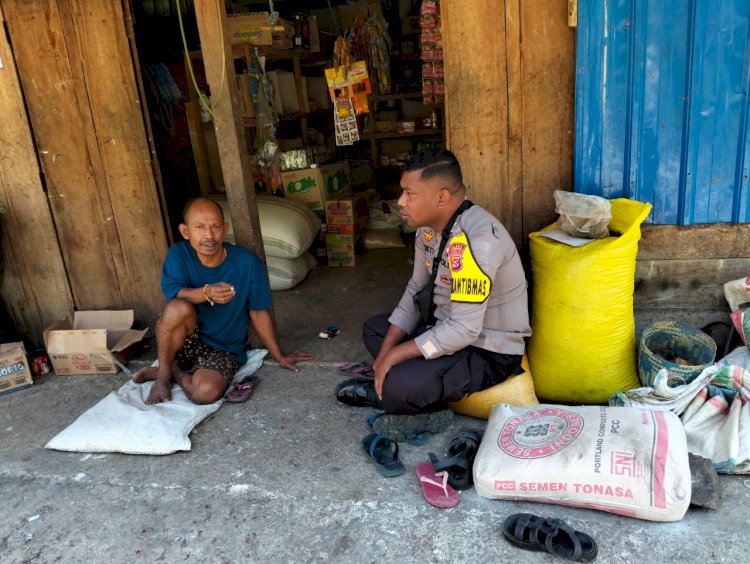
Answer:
(400, 117)
(297, 98)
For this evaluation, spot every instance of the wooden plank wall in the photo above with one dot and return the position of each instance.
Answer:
(681, 271)
(78, 81)
(509, 79)
(34, 284)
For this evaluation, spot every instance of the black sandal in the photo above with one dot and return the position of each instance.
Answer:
(461, 453)
(555, 536)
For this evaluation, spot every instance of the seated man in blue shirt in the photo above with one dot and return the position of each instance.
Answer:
(202, 333)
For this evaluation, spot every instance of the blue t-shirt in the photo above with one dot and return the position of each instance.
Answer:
(223, 326)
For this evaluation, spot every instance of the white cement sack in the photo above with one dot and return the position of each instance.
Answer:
(625, 460)
(286, 273)
(288, 227)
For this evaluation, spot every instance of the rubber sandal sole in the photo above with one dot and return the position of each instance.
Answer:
(417, 440)
(531, 532)
(408, 427)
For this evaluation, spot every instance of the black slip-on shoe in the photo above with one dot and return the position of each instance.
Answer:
(359, 392)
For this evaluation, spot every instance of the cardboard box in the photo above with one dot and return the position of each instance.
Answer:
(347, 216)
(92, 342)
(315, 186)
(342, 249)
(250, 28)
(15, 373)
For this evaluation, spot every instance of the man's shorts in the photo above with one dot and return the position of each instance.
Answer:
(196, 354)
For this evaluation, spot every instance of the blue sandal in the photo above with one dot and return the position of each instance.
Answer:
(384, 454)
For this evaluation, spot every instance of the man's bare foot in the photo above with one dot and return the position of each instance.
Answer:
(159, 393)
(145, 374)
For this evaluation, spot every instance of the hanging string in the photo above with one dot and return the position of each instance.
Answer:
(334, 18)
(201, 96)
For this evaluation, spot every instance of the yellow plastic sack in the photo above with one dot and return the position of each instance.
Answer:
(516, 390)
(582, 347)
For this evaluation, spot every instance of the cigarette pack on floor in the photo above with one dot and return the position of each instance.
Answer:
(623, 460)
(14, 368)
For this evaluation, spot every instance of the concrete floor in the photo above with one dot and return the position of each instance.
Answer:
(281, 478)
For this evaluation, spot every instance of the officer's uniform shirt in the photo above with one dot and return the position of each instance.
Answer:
(480, 290)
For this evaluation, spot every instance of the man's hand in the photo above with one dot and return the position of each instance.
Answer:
(382, 366)
(290, 360)
(220, 292)
(393, 356)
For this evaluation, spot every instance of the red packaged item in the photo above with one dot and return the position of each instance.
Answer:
(429, 7)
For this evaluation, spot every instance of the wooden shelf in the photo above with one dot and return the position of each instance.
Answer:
(403, 96)
(394, 135)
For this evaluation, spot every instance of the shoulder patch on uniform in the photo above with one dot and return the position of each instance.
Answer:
(470, 283)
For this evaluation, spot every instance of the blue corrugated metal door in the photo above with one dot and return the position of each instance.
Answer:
(662, 106)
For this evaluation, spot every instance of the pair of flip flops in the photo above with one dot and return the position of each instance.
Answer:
(242, 390)
(555, 536)
(460, 458)
(383, 452)
(363, 369)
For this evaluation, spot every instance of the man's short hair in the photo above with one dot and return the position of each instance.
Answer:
(435, 163)
(191, 201)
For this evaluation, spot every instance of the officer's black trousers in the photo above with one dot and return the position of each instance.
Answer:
(419, 384)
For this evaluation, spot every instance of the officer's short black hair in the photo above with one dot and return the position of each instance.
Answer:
(191, 201)
(434, 163)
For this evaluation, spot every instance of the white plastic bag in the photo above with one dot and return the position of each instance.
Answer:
(623, 460)
(582, 215)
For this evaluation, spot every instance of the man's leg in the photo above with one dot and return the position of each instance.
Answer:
(208, 380)
(177, 321)
(416, 385)
(426, 385)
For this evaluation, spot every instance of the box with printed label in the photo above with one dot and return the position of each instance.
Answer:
(350, 215)
(14, 368)
(92, 343)
(342, 249)
(315, 186)
(251, 28)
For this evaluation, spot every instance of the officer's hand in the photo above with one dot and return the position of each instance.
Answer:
(382, 367)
